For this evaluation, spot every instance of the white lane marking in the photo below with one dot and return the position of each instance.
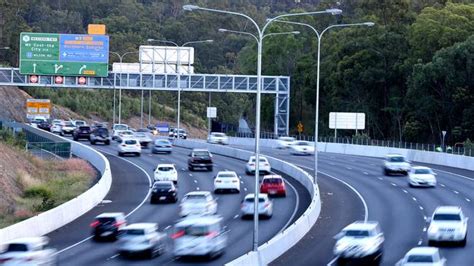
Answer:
(442, 185)
(106, 201)
(468, 200)
(113, 257)
(349, 168)
(451, 173)
(195, 181)
(182, 169)
(168, 227)
(365, 173)
(245, 189)
(426, 218)
(197, 188)
(420, 242)
(366, 209)
(405, 191)
(190, 174)
(241, 182)
(421, 207)
(424, 229)
(413, 198)
(332, 163)
(393, 184)
(332, 261)
(456, 192)
(380, 178)
(236, 216)
(130, 213)
(294, 212)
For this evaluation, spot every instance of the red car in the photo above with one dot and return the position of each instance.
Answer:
(273, 185)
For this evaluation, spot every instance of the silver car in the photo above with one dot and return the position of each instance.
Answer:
(265, 206)
(28, 251)
(142, 238)
(162, 145)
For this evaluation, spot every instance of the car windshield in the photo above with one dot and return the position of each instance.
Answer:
(80, 123)
(396, 159)
(106, 220)
(120, 127)
(127, 133)
(162, 142)
(420, 258)
(130, 142)
(302, 143)
(272, 181)
(134, 232)
(357, 233)
(195, 197)
(182, 131)
(229, 175)
(287, 139)
(69, 124)
(140, 134)
(102, 131)
(165, 168)
(162, 186)
(201, 153)
(251, 199)
(422, 171)
(262, 160)
(14, 247)
(447, 217)
(84, 128)
(219, 135)
(194, 230)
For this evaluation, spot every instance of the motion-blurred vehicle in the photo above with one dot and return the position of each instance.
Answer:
(162, 145)
(421, 176)
(100, 134)
(107, 225)
(448, 224)
(360, 242)
(422, 256)
(200, 158)
(166, 172)
(37, 120)
(78, 123)
(129, 146)
(81, 132)
(124, 134)
(264, 166)
(273, 185)
(174, 133)
(56, 121)
(141, 239)
(117, 128)
(67, 128)
(199, 236)
(265, 206)
(56, 127)
(143, 137)
(285, 142)
(226, 181)
(302, 148)
(163, 191)
(152, 129)
(198, 203)
(44, 125)
(28, 251)
(395, 163)
(218, 138)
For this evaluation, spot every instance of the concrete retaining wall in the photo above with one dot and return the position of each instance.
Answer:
(282, 242)
(65, 213)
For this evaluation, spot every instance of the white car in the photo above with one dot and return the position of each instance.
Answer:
(199, 236)
(395, 163)
(218, 138)
(56, 121)
(129, 146)
(302, 148)
(226, 180)
(422, 256)
(421, 176)
(264, 165)
(124, 134)
(285, 142)
(56, 127)
(448, 224)
(142, 238)
(198, 203)
(28, 251)
(265, 206)
(166, 172)
(79, 123)
(117, 128)
(67, 128)
(360, 241)
(143, 137)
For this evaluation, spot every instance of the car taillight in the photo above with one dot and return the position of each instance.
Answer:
(211, 234)
(118, 224)
(252, 164)
(95, 223)
(266, 164)
(138, 145)
(266, 204)
(177, 235)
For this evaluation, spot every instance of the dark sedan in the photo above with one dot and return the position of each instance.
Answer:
(163, 191)
(82, 132)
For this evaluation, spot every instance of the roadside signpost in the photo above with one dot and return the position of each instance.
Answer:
(64, 54)
(211, 113)
(38, 107)
(346, 121)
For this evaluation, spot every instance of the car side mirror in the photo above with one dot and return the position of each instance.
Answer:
(339, 236)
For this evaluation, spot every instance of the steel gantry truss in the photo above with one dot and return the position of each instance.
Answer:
(279, 85)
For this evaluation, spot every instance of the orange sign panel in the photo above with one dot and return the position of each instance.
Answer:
(98, 29)
(38, 107)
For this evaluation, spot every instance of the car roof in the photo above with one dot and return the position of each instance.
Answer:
(197, 193)
(226, 172)
(163, 182)
(252, 195)
(448, 209)
(30, 240)
(110, 214)
(422, 251)
(394, 155)
(261, 157)
(199, 220)
(194, 150)
(165, 165)
(217, 133)
(272, 176)
(286, 138)
(361, 225)
(140, 226)
(420, 167)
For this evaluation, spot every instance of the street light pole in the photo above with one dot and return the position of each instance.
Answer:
(261, 32)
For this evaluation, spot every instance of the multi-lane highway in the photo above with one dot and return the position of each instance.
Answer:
(130, 194)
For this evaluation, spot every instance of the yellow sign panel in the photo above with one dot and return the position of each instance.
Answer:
(38, 107)
(98, 29)
(88, 72)
(300, 127)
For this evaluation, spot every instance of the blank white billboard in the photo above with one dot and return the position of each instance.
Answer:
(150, 68)
(166, 55)
(347, 120)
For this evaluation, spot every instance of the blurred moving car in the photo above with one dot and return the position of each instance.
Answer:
(199, 236)
(162, 145)
(117, 128)
(302, 148)
(129, 146)
(264, 166)
(107, 225)
(44, 125)
(200, 158)
(78, 123)
(285, 142)
(265, 206)
(226, 181)
(28, 251)
(143, 137)
(173, 133)
(273, 185)
(56, 127)
(56, 121)
(422, 256)
(395, 163)
(163, 191)
(448, 224)
(166, 172)
(81, 132)
(152, 129)
(100, 134)
(124, 134)
(421, 176)
(218, 138)
(142, 239)
(360, 242)
(67, 128)
(198, 203)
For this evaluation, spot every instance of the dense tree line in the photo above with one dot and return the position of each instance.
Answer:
(412, 73)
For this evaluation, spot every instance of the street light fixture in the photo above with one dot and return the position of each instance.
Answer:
(178, 73)
(316, 122)
(261, 34)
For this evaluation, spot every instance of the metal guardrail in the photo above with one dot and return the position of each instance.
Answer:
(50, 150)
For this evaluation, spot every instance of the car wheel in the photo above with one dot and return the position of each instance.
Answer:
(120, 154)
(341, 261)
(464, 241)
(386, 172)
(92, 142)
(107, 142)
(190, 168)
(209, 169)
(431, 243)
(138, 154)
(75, 139)
(410, 185)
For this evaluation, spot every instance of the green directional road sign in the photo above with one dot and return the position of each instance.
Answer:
(64, 54)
